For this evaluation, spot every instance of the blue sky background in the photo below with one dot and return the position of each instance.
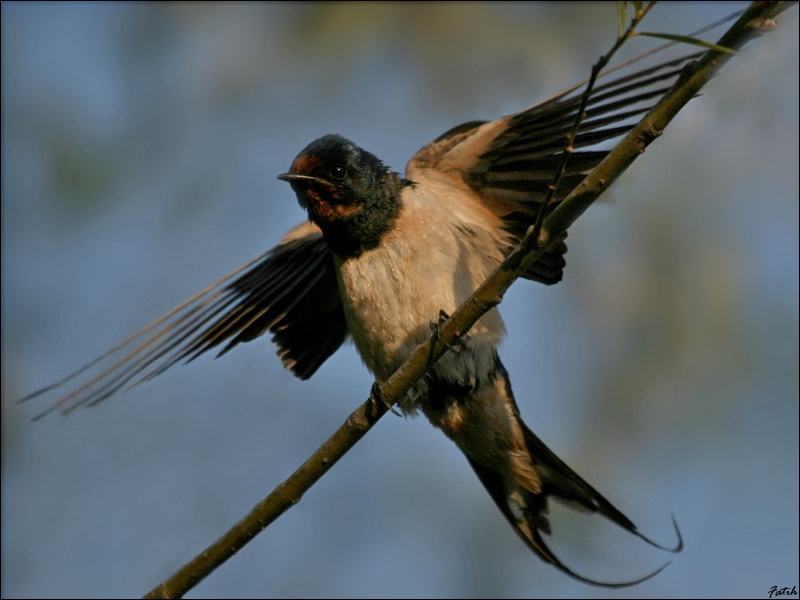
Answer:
(140, 145)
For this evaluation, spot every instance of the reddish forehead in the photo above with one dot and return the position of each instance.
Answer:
(305, 163)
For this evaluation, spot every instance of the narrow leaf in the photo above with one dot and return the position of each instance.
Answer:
(622, 16)
(688, 40)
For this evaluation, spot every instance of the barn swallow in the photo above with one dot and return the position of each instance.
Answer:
(379, 259)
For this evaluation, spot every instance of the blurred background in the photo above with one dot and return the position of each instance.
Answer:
(140, 145)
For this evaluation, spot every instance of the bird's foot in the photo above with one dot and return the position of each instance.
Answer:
(377, 400)
(457, 344)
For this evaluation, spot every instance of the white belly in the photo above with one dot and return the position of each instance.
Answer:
(431, 261)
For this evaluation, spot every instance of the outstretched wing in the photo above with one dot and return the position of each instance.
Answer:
(511, 161)
(290, 291)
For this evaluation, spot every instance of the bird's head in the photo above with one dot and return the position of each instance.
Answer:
(348, 192)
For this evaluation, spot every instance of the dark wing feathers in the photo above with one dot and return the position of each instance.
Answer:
(306, 317)
(290, 290)
(512, 166)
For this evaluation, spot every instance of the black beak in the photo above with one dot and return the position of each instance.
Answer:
(291, 177)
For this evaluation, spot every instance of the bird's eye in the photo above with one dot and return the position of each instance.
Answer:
(338, 172)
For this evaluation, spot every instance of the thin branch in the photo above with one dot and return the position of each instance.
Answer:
(624, 36)
(755, 21)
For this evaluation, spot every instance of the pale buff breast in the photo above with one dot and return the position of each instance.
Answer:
(437, 254)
